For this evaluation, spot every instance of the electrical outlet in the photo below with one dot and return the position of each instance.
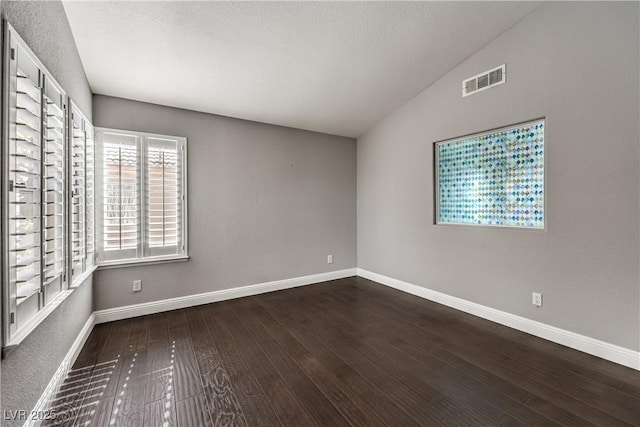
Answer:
(329, 259)
(137, 285)
(536, 299)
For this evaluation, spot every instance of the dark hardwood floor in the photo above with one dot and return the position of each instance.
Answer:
(345, 352)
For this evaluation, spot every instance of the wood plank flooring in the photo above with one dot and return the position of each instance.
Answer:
(347, 352)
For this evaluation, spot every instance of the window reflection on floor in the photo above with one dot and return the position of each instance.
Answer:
(87, 397)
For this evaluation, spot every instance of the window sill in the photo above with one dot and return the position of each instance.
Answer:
(80, 279)
(41, 315)
(139, 262)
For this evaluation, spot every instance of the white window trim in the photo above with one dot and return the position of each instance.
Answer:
(142, 261)
(148, 260)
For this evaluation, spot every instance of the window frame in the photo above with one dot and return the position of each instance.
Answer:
(436, 177)
(142, 164)
(88, 264)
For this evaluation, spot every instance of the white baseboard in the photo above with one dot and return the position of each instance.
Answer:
(119, 313)
(61, 373)
(611, 352)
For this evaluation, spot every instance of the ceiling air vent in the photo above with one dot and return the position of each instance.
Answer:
(485, 80)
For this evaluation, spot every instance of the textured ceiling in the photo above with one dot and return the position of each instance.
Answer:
(333, 67)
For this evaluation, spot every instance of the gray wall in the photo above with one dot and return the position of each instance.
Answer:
(44, 27)
(576, 64)
(27, 370)
(265, 203)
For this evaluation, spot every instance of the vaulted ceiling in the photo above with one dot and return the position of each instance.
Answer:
(334, 67)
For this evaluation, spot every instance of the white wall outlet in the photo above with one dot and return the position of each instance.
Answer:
(137, 285)
(329, 259)
(536, 299)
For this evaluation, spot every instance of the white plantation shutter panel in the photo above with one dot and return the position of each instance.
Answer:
(81, 197)
(78, 182)
(163, 196)
(54, 189)
(120, 207)
(22, 238)
(90, 192)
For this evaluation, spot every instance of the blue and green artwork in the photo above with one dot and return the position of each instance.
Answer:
(494, 178)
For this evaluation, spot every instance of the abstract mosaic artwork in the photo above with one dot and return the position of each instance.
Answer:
(494, 178)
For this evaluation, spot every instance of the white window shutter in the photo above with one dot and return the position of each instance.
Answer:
(141, 196)
(163, 196)
(120, 197)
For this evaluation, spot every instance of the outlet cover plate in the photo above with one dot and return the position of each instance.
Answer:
(536, 299)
